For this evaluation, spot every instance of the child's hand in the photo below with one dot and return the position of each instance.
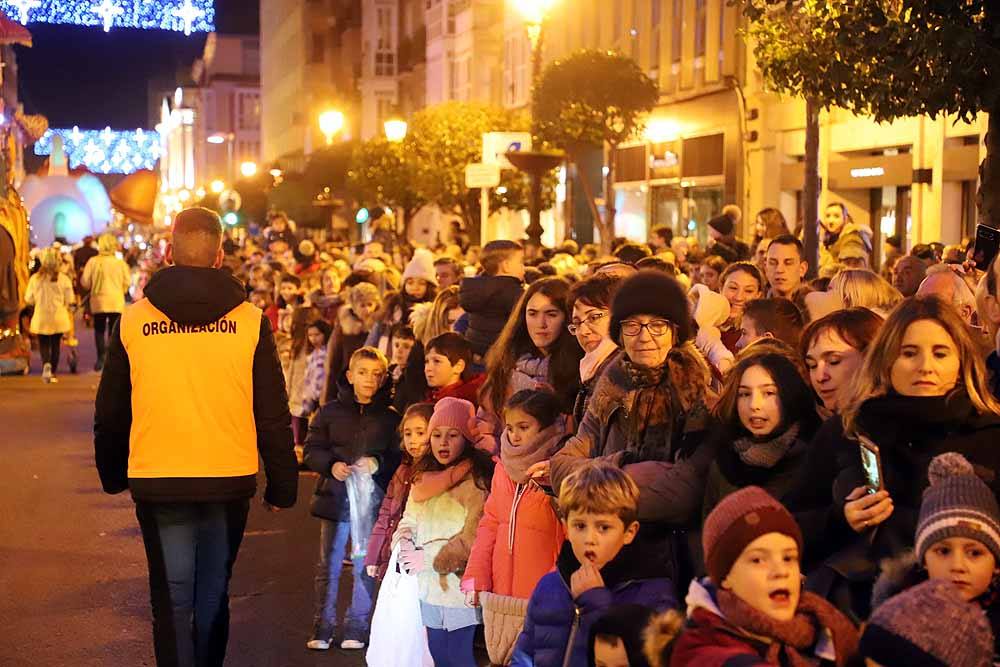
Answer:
(413, 560)
(340, 471)
(371, 571)
(471, 599)
(366, 464)
(539, 472)
(584, 579)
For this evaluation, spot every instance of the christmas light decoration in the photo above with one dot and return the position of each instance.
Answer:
(185, 16)
(105, 151)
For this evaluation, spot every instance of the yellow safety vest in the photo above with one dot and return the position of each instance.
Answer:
(192, 393)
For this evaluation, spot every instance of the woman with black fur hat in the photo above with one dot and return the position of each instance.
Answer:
(648, 414)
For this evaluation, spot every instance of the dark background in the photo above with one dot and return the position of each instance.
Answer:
(87, 77)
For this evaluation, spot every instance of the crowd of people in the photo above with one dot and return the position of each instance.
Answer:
(673, 455)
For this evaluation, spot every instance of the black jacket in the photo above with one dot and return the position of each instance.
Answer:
(195, 296)
(489, 301)
(344, 431)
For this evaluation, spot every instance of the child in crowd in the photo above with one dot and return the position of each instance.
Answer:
(353, 434)
(711, 311)
(305, 374)
(264, 299)
(416, 443)
(354, 320)
(930, 625)
(771, 318)
(751, 609)
(520, 536)
(957, 540)
(419, 285)
(597, 567)
(50, 291)
(448, 369)
(439, 526)
(401, 342)
(288, 291)
(490, 298)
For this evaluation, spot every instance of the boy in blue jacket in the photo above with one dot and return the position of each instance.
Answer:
(598, 567)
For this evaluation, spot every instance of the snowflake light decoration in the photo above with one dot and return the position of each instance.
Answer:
(185, 16)
(105, 151)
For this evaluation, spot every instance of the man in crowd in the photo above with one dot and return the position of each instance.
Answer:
(908, 273)
(946, 284)
(785, 266)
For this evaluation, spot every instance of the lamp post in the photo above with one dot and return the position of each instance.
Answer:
(230, 139)
(535, 164)
(534, 13)
(330, 123)
(395, 129)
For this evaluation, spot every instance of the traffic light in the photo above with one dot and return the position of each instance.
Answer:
(362, 216)
(231, 218)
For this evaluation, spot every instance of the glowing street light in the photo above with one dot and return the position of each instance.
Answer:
(248, 169)
(661, 130)
(395, 130)
(217, 186)
(217, 138)
(534, 13)
(330, 123)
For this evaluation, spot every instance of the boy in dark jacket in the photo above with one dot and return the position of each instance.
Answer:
(448, 369)
(352, 444)
(598, 567)
(490, 298)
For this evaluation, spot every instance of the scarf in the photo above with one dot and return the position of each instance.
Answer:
(790, 638)
(916, 418)
(766, 453)
(530, 372)
(652, 411)
(434, 483)
(593, 359)
(518, 459)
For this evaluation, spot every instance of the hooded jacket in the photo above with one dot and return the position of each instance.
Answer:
(488, 301)
(344, 431)
(557, 627)
(107, 278)
(191, 392)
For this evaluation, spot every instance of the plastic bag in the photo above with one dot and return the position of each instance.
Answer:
(364, 506)
(398, 638)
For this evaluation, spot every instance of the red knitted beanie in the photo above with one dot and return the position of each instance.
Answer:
(737, 521)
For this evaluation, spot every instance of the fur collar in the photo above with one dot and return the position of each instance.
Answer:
(350, 323)
(630, 564)
(898, 574)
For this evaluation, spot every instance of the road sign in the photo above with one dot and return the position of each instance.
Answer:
(496, 144)
(482, 175)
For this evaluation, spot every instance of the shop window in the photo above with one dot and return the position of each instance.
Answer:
(630, 164)
(703, 156)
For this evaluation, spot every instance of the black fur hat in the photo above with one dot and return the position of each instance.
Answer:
(652, 293)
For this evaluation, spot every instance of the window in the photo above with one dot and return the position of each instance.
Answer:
(677, 28)
(248, 111)
(385, 47)
(656, 13)
(317, 48)
(385, 64)
(700, 25)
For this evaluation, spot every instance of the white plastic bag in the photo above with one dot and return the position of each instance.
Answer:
(361, 494)
(398, 638)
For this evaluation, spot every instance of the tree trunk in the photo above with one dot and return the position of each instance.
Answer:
(588, 191)
(988, 196)
(810, 189)
(608, 227)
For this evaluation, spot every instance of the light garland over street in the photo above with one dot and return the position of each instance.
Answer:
(185, 16)
(105, 151)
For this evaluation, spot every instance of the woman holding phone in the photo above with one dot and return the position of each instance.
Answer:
(920, 392)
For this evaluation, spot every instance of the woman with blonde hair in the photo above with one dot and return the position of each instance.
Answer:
(921, 391)
(433, 319)
(50, 291)
(108, 279)
(861, 288)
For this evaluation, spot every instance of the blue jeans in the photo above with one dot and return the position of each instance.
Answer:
(191, 548)
(332, 548)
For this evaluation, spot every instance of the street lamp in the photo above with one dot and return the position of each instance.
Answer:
(534, 13)
(248, 169)
(330, 123)
(395, 129)
(217, 186)
(220, 138)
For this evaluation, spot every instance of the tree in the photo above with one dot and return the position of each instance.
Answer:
(889, 59)
(380, 173)
(327, 168)
(593, 98)
(443, 139)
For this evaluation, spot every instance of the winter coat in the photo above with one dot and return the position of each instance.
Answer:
(467, 390)
(909, 432)
(488, 301)
(108, 279)
(194, 296)
(295, 372)
(904, 572)
(444, 526)
(730, 249)
(529, 373)
(347, 338)
(517, 541)
(672, 480)
(52, 300)
(389, 514)
(314, 380)
(858, 236)
(557, 627)
(344, 430)
(709, 640)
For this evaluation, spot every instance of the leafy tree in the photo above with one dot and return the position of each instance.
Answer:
(889, 59)
(593, 98)
(381, 174)
(327, 168)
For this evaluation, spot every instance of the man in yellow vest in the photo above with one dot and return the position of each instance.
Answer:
(191, 393)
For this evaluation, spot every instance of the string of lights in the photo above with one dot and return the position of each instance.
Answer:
(185, 16)
(105, 151)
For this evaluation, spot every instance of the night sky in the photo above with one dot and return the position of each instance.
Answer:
(86, 77)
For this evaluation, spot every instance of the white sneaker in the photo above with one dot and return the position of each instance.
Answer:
(318, 644)
(47, 373)
(352, 645)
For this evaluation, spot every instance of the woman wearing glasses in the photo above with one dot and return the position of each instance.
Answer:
(648, 414)
(590, 303)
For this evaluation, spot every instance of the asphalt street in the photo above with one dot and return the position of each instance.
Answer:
(73, 587)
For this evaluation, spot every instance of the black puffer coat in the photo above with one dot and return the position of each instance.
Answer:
(344, 431)
(489, 301)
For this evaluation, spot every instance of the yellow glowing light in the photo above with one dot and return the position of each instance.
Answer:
(200, 192)
(395, 130)
(184, 195)
(276, 173)
(533, 11)
(659, 130)
(217, 186)
(330, 123)
(248, 169)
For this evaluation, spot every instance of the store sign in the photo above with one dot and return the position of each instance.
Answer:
(867, 172)
(874, 171)
(482, 175)
(497, 144)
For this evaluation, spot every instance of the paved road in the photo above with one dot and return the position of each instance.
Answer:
(73, 588)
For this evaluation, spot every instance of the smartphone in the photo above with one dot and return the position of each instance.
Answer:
(987, 244)
(871, 463)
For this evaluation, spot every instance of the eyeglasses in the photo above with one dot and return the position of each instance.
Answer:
(655, 328)
(590, 320)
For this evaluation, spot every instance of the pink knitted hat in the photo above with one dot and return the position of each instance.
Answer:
(454, 413)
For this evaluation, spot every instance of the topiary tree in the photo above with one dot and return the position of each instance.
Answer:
(380, 173)
(889, 59)
(593, 98)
